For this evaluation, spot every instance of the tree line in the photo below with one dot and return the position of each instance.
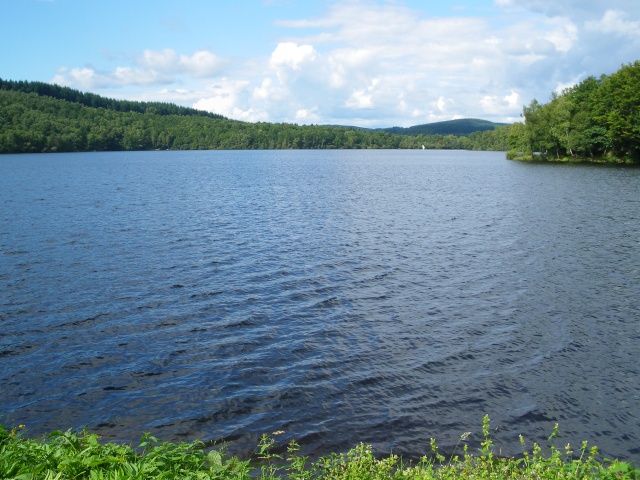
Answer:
(38, 117)
(97, 101)
(596, 120)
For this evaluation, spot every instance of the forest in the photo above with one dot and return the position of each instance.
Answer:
(596, 120)
(39, 117)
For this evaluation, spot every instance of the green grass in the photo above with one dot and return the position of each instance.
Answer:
(81, 455)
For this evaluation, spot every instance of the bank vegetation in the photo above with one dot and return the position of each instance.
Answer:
(81, 455)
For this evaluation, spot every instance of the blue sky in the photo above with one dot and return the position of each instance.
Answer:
(352, 62)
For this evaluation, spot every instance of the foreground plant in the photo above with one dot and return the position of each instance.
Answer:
(81, 455)
(72, 455)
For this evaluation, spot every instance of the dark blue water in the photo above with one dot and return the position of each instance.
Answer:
(341, 296)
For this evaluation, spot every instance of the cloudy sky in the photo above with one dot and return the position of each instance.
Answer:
(375, 63)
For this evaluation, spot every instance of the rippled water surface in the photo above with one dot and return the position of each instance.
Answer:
(341, 296)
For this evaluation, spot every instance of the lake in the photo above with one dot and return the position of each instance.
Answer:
(340, 296)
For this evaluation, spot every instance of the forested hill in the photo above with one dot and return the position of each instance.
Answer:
(463, 126)
(38, 117)
(596, 120)
(92, 100)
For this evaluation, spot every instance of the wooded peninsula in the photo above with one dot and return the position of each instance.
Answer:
(596, 120)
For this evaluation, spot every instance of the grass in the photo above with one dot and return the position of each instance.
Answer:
(81, 455)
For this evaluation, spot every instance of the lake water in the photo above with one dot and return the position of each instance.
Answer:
(341, 296)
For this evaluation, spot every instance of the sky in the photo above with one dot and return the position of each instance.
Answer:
(368, 63)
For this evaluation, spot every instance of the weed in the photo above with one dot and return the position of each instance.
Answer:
(81, 455)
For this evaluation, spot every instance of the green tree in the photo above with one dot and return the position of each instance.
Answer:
(618, 109)
(559, 117)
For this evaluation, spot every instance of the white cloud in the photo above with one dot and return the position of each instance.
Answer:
(292, 55)
(267, 90)
(614, 22)
(494, 105)
(227, 98)
(441, 104)
(342, 62)
(85, 78)
(163, 60)
(363, 98)
(513, 99)
(152, 67)
(90, 79)
(563, 34)
(578, 9)
(200, 64)
(528, 50)
(359, 99)
(307, 115)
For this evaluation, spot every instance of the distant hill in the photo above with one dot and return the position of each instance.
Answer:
(463, 126)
